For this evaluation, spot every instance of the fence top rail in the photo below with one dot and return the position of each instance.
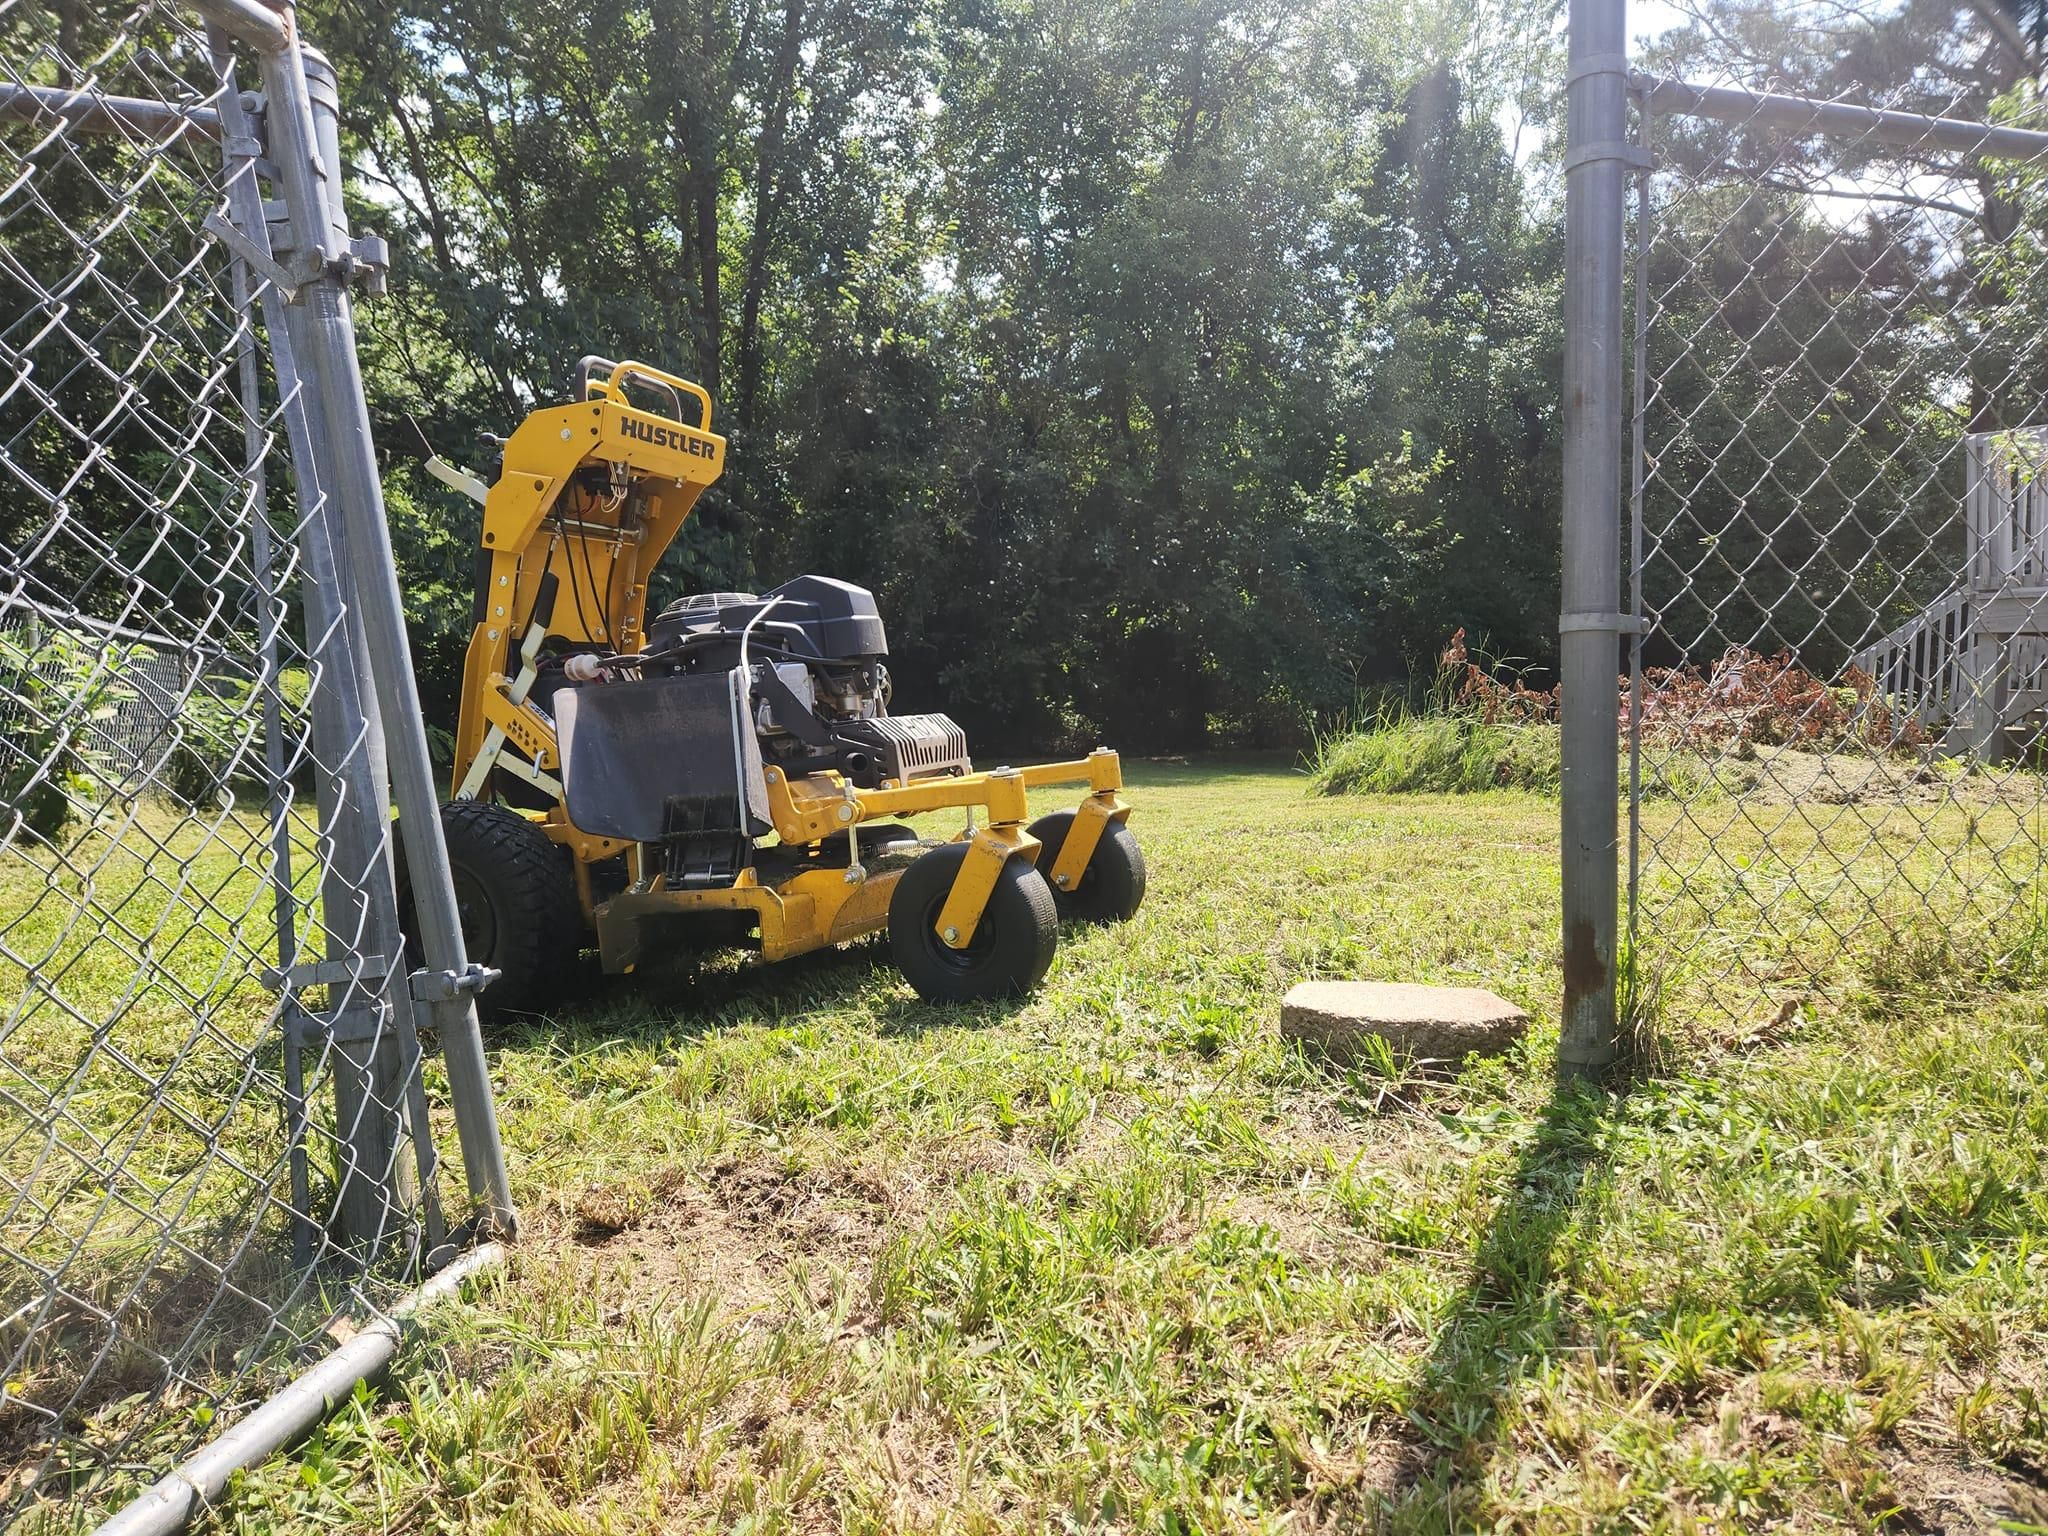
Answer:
(90, 111)
(17, 612)
(1801, 114)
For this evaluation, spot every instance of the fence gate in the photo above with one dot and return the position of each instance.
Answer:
(216, 1136)
(1837, 542)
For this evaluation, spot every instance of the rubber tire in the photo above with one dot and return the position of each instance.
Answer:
(1012, 946)
(516, 892)
(1112, 887)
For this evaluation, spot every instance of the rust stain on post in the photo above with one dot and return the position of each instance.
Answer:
(1585, 973)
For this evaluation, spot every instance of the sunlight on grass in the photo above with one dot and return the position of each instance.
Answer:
(802, 1252)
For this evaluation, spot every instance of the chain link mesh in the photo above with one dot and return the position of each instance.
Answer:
(215, 1138)
(1840, 547)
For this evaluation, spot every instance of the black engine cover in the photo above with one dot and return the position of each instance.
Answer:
(830, 619)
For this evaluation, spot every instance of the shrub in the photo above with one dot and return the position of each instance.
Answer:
(1742, 699)
(1477, 730)
(55, 684)
(1748, 699)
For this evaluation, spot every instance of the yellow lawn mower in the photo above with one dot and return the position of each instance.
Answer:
(729, 773)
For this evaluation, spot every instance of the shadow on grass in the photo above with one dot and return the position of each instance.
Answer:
(689, 996)
(1510, 1320)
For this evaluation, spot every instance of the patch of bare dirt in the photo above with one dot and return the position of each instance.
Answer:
(1946, 1495)
(736, 1226)
(748, 1228)
(1852, 776)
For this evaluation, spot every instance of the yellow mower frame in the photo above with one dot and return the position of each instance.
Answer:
(529, 533)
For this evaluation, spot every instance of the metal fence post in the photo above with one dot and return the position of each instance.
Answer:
(1595, 163)
(449, 980)
(189, 738)
(372, 1185)
(245, 201)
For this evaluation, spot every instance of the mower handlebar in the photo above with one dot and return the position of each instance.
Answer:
(616, 376)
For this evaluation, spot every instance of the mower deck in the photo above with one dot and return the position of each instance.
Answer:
(809, 908)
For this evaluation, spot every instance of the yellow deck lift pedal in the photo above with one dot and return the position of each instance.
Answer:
(729, 773)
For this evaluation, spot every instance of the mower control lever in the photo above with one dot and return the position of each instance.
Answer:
(489, 755)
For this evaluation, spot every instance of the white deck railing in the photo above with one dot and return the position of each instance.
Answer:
(1919, 668)
(2005, 510)
(1927, 670)
(1958, 663)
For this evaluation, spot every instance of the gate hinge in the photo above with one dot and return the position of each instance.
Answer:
(1614, 623)
(1634, 156)
(444, 986)
(364, 264)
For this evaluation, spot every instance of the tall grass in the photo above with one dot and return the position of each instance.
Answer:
(1459, 734)
(1408, 751)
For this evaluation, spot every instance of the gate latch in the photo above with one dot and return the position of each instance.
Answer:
(445, 986)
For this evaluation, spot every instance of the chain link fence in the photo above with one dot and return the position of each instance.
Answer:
(1838, 553)
(218, 1123)
(139, 722)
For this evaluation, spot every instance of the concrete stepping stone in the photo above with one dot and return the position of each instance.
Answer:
(1443, 1024)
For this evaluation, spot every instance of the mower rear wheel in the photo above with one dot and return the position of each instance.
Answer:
(1012, 946)
(516, 895)
(1111, 888)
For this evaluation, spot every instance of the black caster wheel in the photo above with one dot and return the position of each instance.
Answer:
(1011, 948)
(1111, 888)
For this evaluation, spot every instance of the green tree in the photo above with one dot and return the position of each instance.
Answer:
(1168, 370)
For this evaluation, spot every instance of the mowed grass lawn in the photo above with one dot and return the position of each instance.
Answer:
(801, 1254)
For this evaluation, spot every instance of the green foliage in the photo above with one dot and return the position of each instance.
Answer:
(1779, 353)
(219, 744)
(1167, 371)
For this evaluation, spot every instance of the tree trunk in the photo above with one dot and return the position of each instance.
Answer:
(711, 324)
(768, 184)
